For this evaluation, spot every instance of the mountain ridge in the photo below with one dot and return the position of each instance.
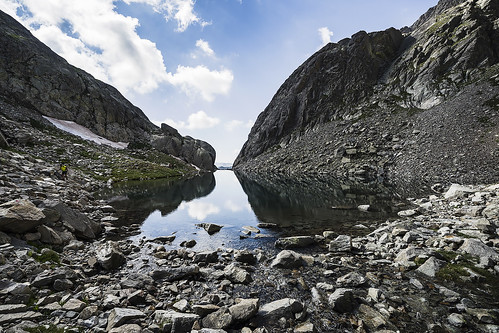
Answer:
(38, 82)
(351, 109)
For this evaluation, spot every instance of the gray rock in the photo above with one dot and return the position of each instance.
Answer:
(178, 322)
(406, 256)
(127, 328)
(12, 308)
(352, 279)
(18, 316)
(20, 216)
(287, 259)
(457, 191)
(294, 242)
(222, 318)
(237, 274)
(119, 316)
(374, 294)
(88, 312)
(245, 257)
(204, 309)
(181, 305)
(478, 249)
(342, 243)
(77, 222)
(109, 256)
(431, 266)
(174, 274)
(164, 239)
(407, 213)
(373, 319)
(49, 235)
(491, 211)
(74, 304)
(304, 328)
(456, 319)
(210, 228)
(14, 288)
(244, 310)
(47, 278)
(285, 307)
(206, 257)
(342, 300)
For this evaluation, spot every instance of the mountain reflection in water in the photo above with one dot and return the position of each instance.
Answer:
(314, 204)
(297, 206)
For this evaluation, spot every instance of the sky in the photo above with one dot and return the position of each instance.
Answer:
(206, 67)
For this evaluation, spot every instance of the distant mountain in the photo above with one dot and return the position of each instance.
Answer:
(34, 81)
(415, 104)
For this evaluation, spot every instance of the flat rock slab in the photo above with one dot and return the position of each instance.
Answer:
(119, 316)
(12, 317)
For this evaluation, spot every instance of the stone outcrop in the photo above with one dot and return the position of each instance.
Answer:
(404, 105)
(37, 82)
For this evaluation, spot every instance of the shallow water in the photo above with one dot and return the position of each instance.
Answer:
(297, 207)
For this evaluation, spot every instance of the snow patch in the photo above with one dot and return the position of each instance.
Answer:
(84, 133)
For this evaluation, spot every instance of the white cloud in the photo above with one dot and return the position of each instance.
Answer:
(234, 124)
(230, 205)
(99, 40)
(205, 47)
(198, 120)
(201, 80)
(180, 10)
(91, 35)
(325, 34)
(199, 210)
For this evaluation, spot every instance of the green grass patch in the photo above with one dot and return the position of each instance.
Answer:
(48, 256)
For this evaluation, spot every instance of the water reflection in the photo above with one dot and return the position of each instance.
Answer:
(297, 206)
(135, 201)
(316, 204)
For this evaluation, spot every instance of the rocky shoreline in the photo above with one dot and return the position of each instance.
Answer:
(434, 269)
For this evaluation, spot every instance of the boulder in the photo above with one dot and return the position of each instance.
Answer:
(77, 222)
(237, 274)
(457, 191)
(478, 249)
(206, 257)
(286, 307)
(406, 256)
(431, 266)
(20, 216)
(109, 256)
(342, 243)
(222, 318)
(352, 279)
(287, 259)
(294, 242)
(49, 235)
(491, 211)
(210, 228)
(244, 309)
(342, 300)
(177, 322)
(119, 316)
(245, 257)
(176, 273)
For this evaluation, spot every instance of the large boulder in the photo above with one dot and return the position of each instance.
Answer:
(78, 223)
(109, 256)
(286, 307)
(20, 216)
(176, 322)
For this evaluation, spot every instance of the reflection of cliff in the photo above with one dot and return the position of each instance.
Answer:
(135, 201)
(313, 201)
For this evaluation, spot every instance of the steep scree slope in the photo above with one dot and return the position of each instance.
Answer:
(416, 104)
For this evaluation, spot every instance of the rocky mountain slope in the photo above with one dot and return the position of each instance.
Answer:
(35, 82)
(419, 104)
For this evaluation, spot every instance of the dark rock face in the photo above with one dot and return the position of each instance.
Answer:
(376, 105)
(35, 78)
(195, 151)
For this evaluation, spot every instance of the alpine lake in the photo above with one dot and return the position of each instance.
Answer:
(253, 210)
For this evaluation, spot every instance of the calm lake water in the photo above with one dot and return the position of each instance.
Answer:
(297, 207)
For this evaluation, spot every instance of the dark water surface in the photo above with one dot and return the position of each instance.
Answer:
(298, 207)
